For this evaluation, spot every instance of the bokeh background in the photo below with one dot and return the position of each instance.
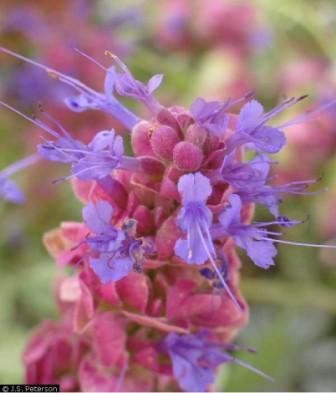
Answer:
(215, 49)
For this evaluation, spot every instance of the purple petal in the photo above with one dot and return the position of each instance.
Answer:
(249, 115)
(11, 192)
(196, 254)
(118, 146)
(261, 252)
(231, 214)
(102, 140)
(210, 115)
(110, 79)
(111, 269)
(93, 168)
(269, 139)
(97, 216)
(190, 377)
(262, 165)
(197, 106)
(58, 151)
(194, 187)
(154, 82)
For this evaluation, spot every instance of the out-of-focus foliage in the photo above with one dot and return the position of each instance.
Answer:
(281, 48)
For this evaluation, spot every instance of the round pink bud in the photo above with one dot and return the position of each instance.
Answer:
(196, 135)
(187, 157)
(163, 141)
(140, 141)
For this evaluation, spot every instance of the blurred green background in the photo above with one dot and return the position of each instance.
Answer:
(288, 48)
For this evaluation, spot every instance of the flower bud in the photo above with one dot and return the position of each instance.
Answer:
(163, 141)
(187, 156)
(196, 135)
(141, 139)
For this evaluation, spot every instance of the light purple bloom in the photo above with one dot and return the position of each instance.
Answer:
(249, 181)
(106, 102)
(126, 85)
(9, 191)
(88, 162)
(195, 359)
(114, 252)
(251, 127)
(88, 98)
(245, 176)
(248, 237)
(210, 115)
(194, 219)
(270, 195)
(94, 161)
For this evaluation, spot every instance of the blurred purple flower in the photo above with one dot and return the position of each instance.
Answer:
(195, 359)
(9, 191)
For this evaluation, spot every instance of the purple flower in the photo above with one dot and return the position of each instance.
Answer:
(94, 161)
(245, 176)
(251, 127)
(270, 195)
(88, 98)
(88, 162)
(195, 359)
(194, 219)
(248, 237)
(127, 86)
(249, 181)
(119, 252)
(106, 102)
(210, 115)
(9, 191)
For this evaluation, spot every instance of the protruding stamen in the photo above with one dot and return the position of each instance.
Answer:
(299, 243)
(213, 263)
